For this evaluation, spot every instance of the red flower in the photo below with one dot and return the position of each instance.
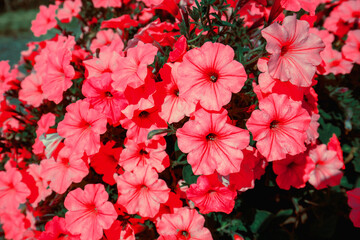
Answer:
(210, 195)
(354, 203)
(44, 21)
(210, 74)
(89, 212)
(55, 229)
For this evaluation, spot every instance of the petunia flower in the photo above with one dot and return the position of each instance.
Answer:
(150, 152)
(68, 167)
(354, 203)
(56, 229)
(13, 191)
(132, 69)
(296, 5)
(106, 162)
(351, 49)
(107, 40)
(31, 91)
(174, 107)
(293, 171)
(279, 127)
(212, 143)
(141, 192)
(327, 167)
(45, 20)
(107, 3)
(210, 74)
(35, 171)
(103, 98)
(89, 212)
(295, 52)
(106, 63)
(184, 223)
(82, 127)
(210, 195)
(69, 10)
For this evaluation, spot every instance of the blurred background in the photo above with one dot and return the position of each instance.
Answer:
(15, 23)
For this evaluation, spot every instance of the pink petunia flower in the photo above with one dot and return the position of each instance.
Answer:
(89, 212)
(210, 195)
(279, 127)
(184, 223)
(132, 69)
(175, 107)
(31, 91)
(210, 74)
(107, 40)
(295, 52)
(45, 20)
(141, 192)
(293, 171)
(35, 171)
(82, 127)
(68, 167)
(13, 191)
(69, 10)
(334, 62)
(296, 5)
(59, 73)
(354, 203)
(139, 154)
(107, 3)
(106, 63)
(212, 143)
(351, 49)
(327, 167)
(103, 98)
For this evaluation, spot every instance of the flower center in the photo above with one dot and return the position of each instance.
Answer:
(144, 114)
(284, 49)
(176, 92)
(143, 152)
(108, 94)
(213, 77)
(274, 124)
(211, 137)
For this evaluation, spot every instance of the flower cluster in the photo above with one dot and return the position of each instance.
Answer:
(154, 114)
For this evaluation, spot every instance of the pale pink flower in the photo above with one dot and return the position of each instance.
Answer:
(295, 52)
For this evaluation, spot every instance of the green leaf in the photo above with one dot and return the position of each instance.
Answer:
(188, 175)
(152, 133)
(260, 217)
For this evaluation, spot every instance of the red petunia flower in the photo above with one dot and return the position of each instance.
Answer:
(56, 229)
(31, 91)
(44, 21)
(210, 74)
(354, 203)
(210, 195)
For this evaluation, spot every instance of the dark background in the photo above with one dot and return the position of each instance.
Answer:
(15, 23)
